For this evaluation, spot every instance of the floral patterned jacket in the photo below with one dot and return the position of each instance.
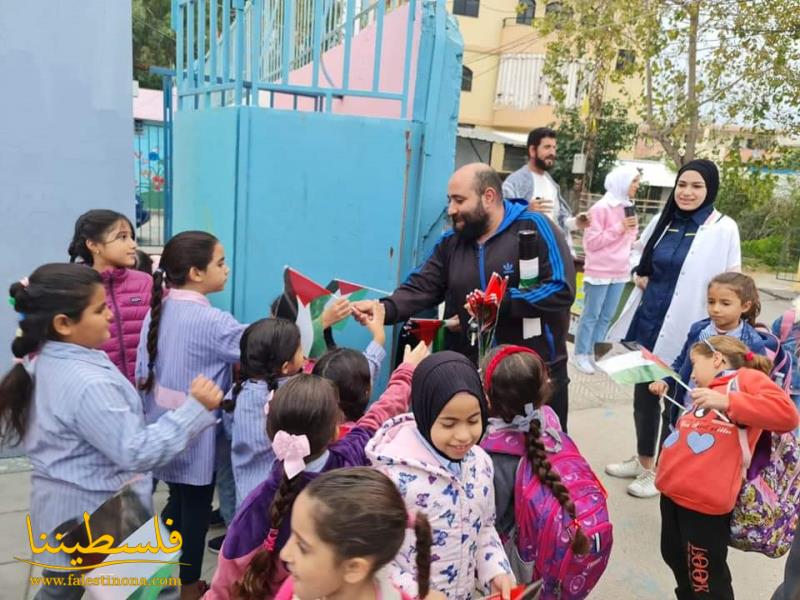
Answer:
(466, 546)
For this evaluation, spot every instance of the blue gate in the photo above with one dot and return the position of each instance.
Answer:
(315, 133)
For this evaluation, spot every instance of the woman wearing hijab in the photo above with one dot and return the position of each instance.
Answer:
(433, 457)
(607, 244)
(681, 250)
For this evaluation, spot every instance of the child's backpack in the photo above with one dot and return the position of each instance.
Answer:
(765, 517)
(544, 531)
(781, 372)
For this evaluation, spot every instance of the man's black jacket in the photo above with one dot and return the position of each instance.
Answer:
(456, 267)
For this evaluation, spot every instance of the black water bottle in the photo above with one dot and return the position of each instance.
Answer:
(528, 258)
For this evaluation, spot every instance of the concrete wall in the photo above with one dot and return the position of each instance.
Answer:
(65, 129)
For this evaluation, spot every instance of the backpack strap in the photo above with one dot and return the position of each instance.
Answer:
(787, 322)
(747, 455)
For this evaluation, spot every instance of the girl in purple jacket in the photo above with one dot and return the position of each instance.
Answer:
(302, 423)
(105, 240)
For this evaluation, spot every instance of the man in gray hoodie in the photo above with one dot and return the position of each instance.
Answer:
(533, 184)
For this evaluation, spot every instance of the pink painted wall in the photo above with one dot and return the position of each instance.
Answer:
(362, 55)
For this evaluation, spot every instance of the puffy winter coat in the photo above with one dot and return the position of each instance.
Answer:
(466, 545)
(128, 296)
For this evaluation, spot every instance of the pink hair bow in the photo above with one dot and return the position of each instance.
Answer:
(291, 449)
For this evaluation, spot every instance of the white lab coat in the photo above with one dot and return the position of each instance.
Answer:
(715, 250)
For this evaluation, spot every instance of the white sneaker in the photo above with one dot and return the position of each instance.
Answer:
(627, 470)
(583, 362)
(644, 486)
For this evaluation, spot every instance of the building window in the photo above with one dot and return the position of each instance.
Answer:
(466, 8)
(138, 127)
(466, 79)
(525, 12)
(554, 6)
(625, 59)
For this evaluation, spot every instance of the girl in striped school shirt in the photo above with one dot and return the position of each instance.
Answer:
(79, 417)
(183, 335)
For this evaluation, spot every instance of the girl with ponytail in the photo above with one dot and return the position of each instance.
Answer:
(105, 240)
(302, 424)
(183, 335)
(549, 502)
(346, 525)
(271, 352)
(79, 417)
(703, 461)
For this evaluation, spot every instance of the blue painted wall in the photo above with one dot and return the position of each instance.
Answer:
(65, 126)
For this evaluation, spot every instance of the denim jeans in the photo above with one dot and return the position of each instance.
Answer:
(599, 305)
(226, 486)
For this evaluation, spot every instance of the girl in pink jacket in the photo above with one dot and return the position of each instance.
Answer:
(105, 240)
(607, 244)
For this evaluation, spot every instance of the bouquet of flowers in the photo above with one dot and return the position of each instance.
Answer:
(484, 306)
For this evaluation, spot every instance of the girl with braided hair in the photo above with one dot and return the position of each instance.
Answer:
(551, 507)
(346, 525)
(302, 424)
(183, 335)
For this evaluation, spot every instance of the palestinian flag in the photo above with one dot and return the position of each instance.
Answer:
(352, 292)
(639, 366)
(430, 331)
(311, 301)
(123, 540)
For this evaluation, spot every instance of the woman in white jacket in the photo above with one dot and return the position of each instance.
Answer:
(679, 252)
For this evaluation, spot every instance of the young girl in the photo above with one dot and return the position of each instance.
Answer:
(701, 469)
(328, 554)
(302, 422)
(271, 352)
(353, 372)
(733, 307)
(607, 243)
(183, 335)
(517, 388)
(79, 417)
(105, 241)
(432, 457)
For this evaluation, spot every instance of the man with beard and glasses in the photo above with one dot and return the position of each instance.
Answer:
(533, 184)
(484, 240)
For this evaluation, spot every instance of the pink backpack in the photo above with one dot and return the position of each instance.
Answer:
(544, 531)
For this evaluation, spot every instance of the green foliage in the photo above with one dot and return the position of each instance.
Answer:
(153, 40)
(766, 251)
(729, 61)
(614, 133)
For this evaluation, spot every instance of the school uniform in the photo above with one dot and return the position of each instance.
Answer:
(87, 436)
(194, 338)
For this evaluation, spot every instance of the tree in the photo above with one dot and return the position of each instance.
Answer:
(153, 40)
(591, 34)
(717, 61)
(613, 134)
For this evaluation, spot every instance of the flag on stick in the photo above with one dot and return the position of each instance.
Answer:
(311, 300)
(639, 366)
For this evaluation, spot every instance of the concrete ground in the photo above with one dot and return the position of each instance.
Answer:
(601, 424)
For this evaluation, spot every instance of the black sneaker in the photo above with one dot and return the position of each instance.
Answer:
(216, 519)
(215, 544)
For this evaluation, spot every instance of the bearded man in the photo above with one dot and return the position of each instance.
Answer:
(484, 240)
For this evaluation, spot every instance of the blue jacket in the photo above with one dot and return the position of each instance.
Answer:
(683, 364)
